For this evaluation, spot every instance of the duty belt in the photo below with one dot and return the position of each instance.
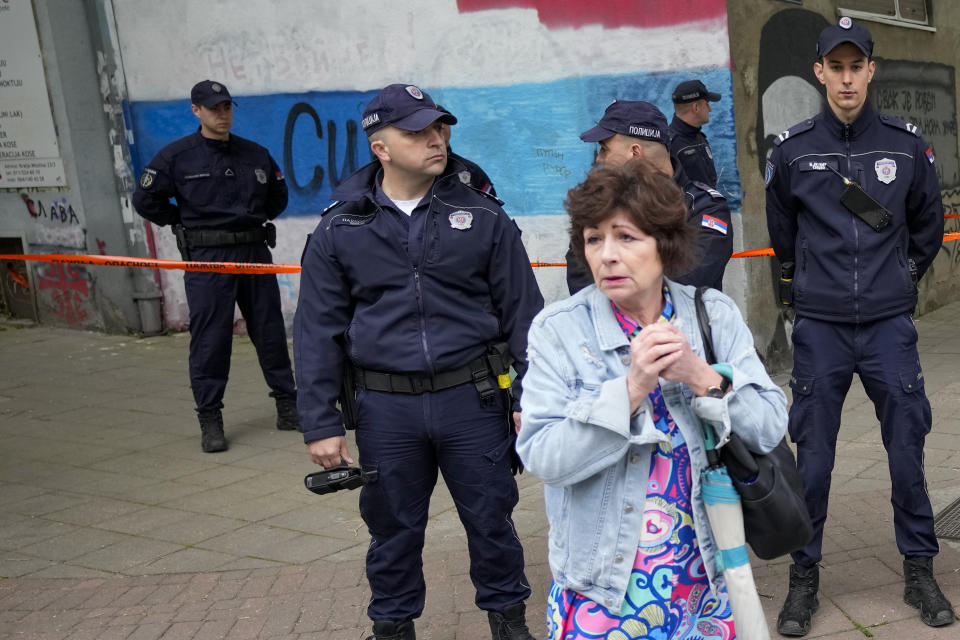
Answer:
(219, 238)
(475, 371)
(488, 373)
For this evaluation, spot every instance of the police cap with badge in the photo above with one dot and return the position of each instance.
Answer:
(633, 118)
(208, 93)
(403, 106)
(846, 30)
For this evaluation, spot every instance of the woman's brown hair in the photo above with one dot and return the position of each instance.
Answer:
(650, 198)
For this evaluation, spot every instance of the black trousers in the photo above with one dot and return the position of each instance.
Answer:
(408, 439)
(884, 354)
(212, 298)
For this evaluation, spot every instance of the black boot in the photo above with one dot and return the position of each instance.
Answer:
(287, 417)
(801, 602)
(922, 592)
(389, 630)
(211, 428)
(509, 624)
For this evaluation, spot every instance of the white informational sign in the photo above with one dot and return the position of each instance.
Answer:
(29, 153)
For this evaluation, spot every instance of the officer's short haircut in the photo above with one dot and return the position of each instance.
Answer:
(652, 201)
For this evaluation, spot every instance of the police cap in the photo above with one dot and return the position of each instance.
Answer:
(208, 93)
(846, 30)
(693, 90)
(633, 118)
(403, 106)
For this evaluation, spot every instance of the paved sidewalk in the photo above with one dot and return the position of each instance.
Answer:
(114, 525)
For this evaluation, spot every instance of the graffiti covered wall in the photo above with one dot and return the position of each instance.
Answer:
(524, 77)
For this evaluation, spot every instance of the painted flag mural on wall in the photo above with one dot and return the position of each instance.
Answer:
(524, 77)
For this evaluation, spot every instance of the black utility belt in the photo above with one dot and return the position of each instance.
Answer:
(488, 372)
(197, 238)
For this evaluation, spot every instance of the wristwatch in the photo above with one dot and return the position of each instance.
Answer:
(719, 391)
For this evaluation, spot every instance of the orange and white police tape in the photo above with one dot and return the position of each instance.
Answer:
(256, 267)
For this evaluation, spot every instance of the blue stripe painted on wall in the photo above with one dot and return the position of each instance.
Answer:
(526, 136)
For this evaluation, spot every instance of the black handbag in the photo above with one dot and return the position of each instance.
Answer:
(775, 516)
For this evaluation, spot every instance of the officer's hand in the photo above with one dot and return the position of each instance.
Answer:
(329, 452)
(516, 421)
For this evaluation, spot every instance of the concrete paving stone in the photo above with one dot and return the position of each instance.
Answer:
(189, 447)
(193, 529)
(108, 633)
(255, 509)
(30, 530)
(279, 461)
(255, 540)
(220, 476)
(149, 631)
(157, 493)
(126, 554)
(333, 523)
(73, 544)
(264, 434)
(306, 548)
(94, 511)
(853, 576)
(914, 630)
(206, 499)
(116, 485)
(248, 562)
(247, 628)
(149, 465)
(145, 521)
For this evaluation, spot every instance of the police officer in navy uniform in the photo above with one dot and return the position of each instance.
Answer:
(691, 110)
(225, 190)
(632, 129)
(855, 218)
(417, 284)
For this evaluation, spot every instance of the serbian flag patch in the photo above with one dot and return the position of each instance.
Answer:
(714, 223)
(929, 153)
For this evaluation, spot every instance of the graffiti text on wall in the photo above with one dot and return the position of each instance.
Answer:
(922, 93)
(59, 211)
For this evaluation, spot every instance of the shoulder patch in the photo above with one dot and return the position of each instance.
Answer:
(716, 195)
(795, 130)
(897, 123)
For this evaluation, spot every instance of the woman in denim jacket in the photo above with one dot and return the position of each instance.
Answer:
(612, 403)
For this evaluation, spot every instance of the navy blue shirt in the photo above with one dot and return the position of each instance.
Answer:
(419, 294)
(232, 184)
(845, 271)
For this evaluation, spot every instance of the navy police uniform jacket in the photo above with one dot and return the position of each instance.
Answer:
(231, 185)
(689, 145)
(421, 296)
(844, 270)
(707, 210)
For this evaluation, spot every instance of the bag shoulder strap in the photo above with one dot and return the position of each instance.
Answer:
(703, 319)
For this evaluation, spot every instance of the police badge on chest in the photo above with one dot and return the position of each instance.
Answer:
(461, 220)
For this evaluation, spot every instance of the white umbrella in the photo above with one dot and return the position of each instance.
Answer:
(726, 521)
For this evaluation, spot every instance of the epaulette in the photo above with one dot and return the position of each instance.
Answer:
(797, 129)
(716, 195)
(897, 123)
(486, 193)
(334, 205)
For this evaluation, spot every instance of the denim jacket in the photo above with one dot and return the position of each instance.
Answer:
(579, 438)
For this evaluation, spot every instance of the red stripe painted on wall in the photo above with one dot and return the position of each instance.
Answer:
(609, 13)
